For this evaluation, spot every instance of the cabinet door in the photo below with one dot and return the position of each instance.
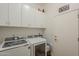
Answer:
(27, 15)
(15, 14)
(39, 19)
(3, 14)
(32, 17)
(19, 51)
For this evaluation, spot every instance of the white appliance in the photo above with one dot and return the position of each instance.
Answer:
(10, 49)
(37, 46)
(17, 51)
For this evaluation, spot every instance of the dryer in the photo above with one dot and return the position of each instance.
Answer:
(37, 46)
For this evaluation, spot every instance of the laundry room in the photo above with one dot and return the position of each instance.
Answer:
(39, 29)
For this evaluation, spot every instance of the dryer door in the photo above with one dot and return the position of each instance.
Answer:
(39, 49)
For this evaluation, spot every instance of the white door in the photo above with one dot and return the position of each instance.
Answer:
(15, 14)
(66, 34)
(19, 51)
(78, 33)
(3, 14)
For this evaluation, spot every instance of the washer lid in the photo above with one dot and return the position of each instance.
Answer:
(36, 40)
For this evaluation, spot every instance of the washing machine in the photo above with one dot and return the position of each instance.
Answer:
(37, 46)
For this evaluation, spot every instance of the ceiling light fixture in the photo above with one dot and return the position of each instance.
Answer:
(27, 6)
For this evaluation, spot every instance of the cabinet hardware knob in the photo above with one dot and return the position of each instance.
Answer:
(28, 47)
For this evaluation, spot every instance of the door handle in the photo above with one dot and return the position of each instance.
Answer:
(55, 38)
(78, 39)
(29, 47)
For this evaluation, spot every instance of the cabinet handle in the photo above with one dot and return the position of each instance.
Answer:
(29, 47)
(78, 39)
(55, 39)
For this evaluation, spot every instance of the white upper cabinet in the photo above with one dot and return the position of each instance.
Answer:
(39, 19)
(31, 17)
(15, 14)
(4, 14)
(21, 15)
(27, 15)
